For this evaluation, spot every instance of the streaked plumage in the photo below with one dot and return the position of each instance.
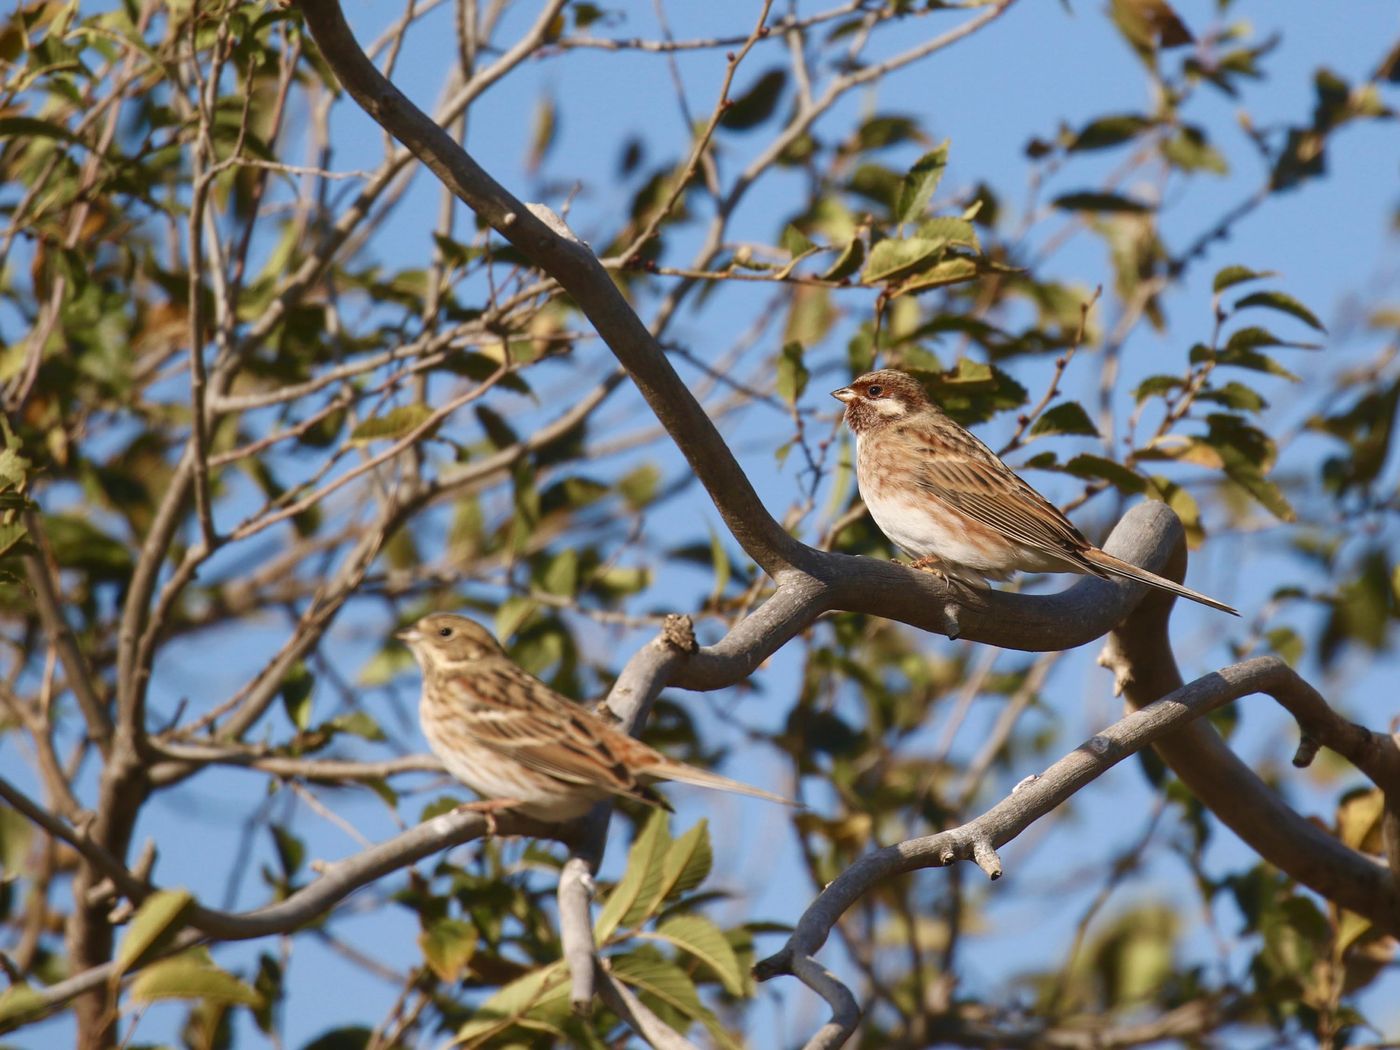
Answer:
(510, 738)
(946, 499)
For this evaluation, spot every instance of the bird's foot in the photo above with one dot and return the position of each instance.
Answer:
(936, 565)
(964, 592)
(930, 563)
(488, 808)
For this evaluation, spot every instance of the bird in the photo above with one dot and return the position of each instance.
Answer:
(947, 500)
(521, 745)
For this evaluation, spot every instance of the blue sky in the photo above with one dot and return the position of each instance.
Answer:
(1332, 243)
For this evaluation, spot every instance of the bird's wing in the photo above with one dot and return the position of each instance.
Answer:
(511, 711)
(976, 483)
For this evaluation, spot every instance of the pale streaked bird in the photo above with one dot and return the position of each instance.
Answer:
(947, 500)
(522, 746)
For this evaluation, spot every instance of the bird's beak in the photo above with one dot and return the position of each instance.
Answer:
(844, 394)
(408, 635)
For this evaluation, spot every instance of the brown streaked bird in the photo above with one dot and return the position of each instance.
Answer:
(947, 500)
(522, 746)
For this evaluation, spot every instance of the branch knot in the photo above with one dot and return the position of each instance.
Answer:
(678, 633)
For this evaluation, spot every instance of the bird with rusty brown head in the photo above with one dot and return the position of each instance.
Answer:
(948, 501)
(522, 746)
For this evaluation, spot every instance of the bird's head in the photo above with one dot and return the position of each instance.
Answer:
(880, 398)
(444, 639)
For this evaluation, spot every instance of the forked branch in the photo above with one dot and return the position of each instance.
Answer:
(1374, 753)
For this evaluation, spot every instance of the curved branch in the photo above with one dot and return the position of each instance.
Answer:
(811, 582)
(544, 240)
(864, 585)
(336, 882)
(1164, 719)
(1140, 656)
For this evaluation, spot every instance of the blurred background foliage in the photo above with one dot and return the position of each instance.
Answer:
(268, 395)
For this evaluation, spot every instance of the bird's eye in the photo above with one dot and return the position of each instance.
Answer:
(874, 391)
(444, 632)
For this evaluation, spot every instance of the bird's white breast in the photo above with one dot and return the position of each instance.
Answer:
(922, 527)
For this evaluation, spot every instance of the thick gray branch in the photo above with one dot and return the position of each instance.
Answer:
(1139, 654)
(811, 582)
(1034, 798)
(336, 882)
(576, 269)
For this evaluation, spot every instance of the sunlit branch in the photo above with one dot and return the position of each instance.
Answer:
(1037, 796)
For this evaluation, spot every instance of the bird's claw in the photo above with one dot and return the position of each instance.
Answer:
(488, 808)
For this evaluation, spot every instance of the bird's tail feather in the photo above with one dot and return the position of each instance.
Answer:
(1118, 567)
(684, 774)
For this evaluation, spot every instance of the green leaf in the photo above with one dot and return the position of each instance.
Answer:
(1269, 495)
(956, 232)
(919, 184)
(155, 923)
(879, 132)
(668, 985)
(1068, 417)
(1230, 276)
(1110, 131)
(500, 433)
(561, 575)
(719, 561)
(811, 316)
(638, 891)
(392, 425)
(17, 1002)
(511, 1003)
(974, 391)
(1244, 453)
(639, 486)
(80, 545)
(448, 945)
(1190, 150)
(1117, 475)
(620, 580)
(1234, 395)
(757, 104)
(342, 1037)
(687, 863)
(1283, 303)
(192, 975)
(291, 851)
(454, 253)
(894, 256)
(792, 373)
(954, 270)
(32, 127)
(14, 468)
(701, 938)
(357, 723)
(512, 614)
(1101, 202)
(1155, 386)
(386, 665)
(16, 832)
(795, 242)
(386, 794)
(1350, 928)
(1241, 352)
(1182, 503)
(848, 262)
(296, 694)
